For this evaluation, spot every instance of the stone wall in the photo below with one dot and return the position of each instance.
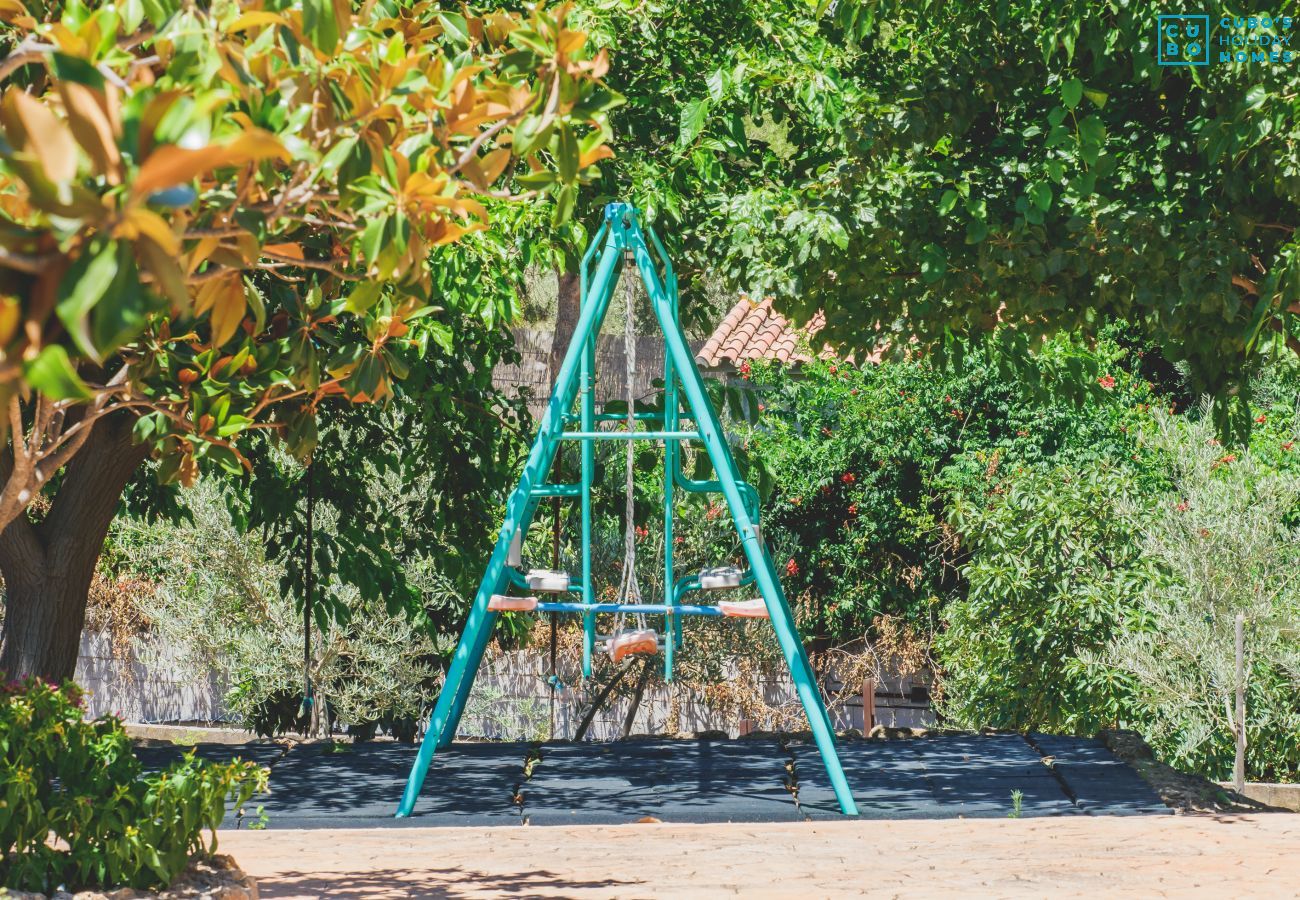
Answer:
(511, 699)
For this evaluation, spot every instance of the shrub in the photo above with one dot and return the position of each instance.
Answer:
(1223, 542)
(1054, 574)
(218, 605)
(76, 808)
(864, 463)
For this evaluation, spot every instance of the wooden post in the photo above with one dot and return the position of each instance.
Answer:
(746, 726)
(1239, 764)
(868, 705)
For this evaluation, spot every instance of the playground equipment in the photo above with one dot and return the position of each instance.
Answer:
(622, 242)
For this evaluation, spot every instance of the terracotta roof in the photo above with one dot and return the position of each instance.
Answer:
(756, 331)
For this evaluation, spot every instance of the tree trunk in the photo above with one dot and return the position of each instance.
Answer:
(568, 306)
(48, 566)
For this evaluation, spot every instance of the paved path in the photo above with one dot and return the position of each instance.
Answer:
(678, 782)
(1075, 856)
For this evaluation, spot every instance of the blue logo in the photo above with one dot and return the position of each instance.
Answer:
(1183, 40)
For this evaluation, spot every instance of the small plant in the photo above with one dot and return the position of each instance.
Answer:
(1017, 801)
(76, 808)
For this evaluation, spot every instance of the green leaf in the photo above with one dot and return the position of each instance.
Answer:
(455, 27)
(1041, 195)
(53, 374)
(320, 25)
(933, 263)
(566, 155)
(1098, 98)
(564, 202)
(947, 202)
(1072, 93)
(74, 68)
(1255, 97)
(694, 114)
(82, 287)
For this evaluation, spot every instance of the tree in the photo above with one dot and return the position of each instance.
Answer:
(218, 218)
(1223, 543)
(1029, 164)
(724, 98)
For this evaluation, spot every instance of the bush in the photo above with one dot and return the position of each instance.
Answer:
(1223, 542)
(864, 463)
(76, 808)
(218, 605)
(1054, 574)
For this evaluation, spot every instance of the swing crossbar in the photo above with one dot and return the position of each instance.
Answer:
(557, 490)
(646, 608)
(652, 416)
(631, 436)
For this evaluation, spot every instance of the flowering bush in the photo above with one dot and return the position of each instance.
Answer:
(76, 808)
(862, 464)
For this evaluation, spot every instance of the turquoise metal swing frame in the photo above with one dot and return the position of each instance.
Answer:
(622, 236)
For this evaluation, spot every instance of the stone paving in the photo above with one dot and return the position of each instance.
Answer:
(1061, 857)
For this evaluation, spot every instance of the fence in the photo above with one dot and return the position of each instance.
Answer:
(511, 699)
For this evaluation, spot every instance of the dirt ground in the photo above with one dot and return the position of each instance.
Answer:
(1075, 856)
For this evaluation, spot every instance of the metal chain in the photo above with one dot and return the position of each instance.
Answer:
(629, 591)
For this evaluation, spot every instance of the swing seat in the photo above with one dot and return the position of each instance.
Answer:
(502, 603)
(720, 578)
(626, 643)
(547, 581)
(744, 609)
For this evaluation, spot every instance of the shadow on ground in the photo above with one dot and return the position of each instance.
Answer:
(941, 777)
(451, 882)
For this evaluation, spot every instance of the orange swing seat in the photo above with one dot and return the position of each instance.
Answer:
(744, 609)
(628, 642)
(502, 603)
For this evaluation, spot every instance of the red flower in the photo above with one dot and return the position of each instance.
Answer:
(1261, 419)
(1107, 382)
(834, 370)
(1224, 460)
(642, 532)
(826, 490)
(744, 369)
(853, 509)
(761, 407)
(848, 478)
(853, 393)
(1181, 506)
(826, 432)
(792, 568)
(1288, 445)
(713, 512)
(795, 501)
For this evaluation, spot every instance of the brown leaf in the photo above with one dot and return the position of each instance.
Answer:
(92, 129)
(171, 165)
(227, 310)
(595, 154)
(494, 164)
(165, 268)
(46, 135)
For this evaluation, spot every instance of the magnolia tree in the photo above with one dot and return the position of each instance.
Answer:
(218, 217)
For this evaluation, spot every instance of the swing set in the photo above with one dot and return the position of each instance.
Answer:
(623, 249)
